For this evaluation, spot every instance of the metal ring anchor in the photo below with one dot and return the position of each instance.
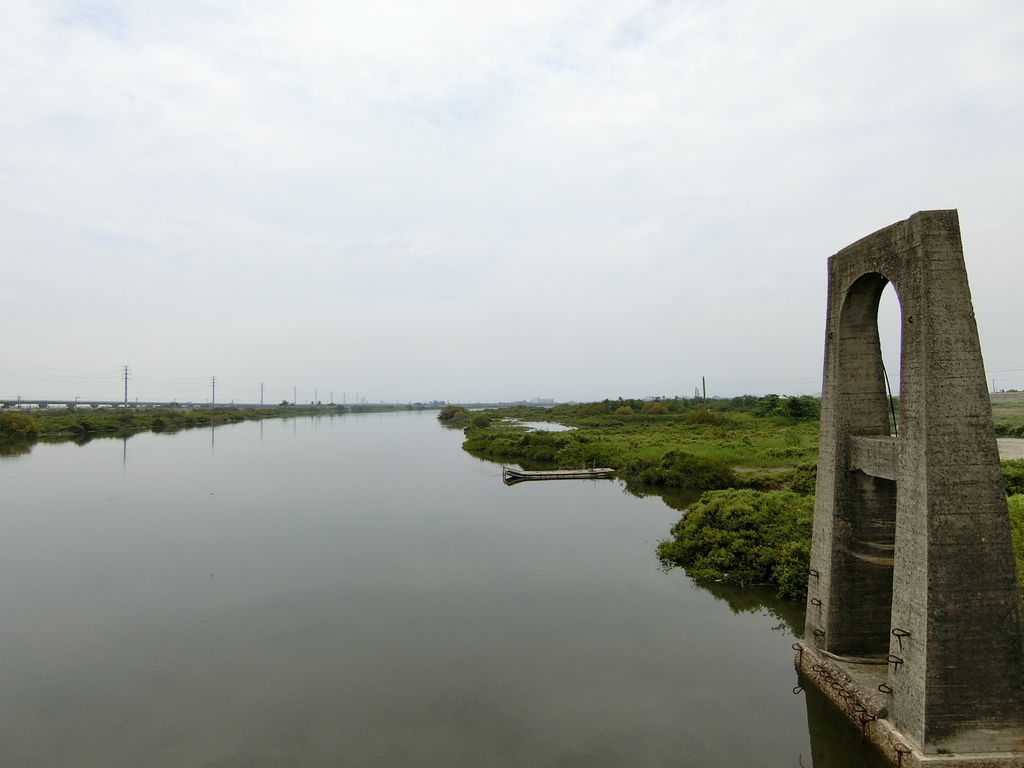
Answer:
(901, 750)
(899, 634)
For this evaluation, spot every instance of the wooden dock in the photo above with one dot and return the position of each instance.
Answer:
(510, 475)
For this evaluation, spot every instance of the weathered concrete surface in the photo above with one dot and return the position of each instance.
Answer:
(854, 690)
(911, 557)
(878, 455)
(875, 456)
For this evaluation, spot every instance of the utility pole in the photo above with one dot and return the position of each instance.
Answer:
(704, 386)
(261, 393)
(125, 374)
(316, 395)
(295, 400)
(213, 390)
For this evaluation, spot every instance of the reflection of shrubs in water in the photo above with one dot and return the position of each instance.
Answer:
(789, 613)
(745, 537)
(678, 499)
(8, 450)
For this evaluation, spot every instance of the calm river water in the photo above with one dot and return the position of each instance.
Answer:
(358, 591)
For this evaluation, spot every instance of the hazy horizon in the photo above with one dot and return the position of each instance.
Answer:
(484, 201)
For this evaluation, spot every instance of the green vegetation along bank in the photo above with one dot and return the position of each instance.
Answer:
(749, 465)
(755, 442)
(20, 429)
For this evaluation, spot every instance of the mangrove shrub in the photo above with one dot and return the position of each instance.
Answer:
(17, 426)
(678, 469)
(745, 537)
(1013, 476)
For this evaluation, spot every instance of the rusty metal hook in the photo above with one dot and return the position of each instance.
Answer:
(901, 750)
(899, 634)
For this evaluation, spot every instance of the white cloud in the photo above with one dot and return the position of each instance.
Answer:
(463, 199)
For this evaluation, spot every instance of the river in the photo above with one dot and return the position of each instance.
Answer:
(358, 591)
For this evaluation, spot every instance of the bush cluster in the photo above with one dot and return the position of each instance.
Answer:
(1013, 476)
(16, 427)
(516, 445)
(452, 415)
(678, 469)
(1006, 429)
(83, 423)
(745, 537)
(797, 407)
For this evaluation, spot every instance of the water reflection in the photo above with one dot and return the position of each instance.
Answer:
(676, 498)
(10, 450)
(789, 613)
(835, 741)
(377, 598)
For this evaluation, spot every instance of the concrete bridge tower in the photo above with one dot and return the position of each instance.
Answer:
(912, 565)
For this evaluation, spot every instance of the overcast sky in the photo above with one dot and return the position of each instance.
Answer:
(471, 200)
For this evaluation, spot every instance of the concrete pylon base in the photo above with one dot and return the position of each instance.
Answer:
(854, 690)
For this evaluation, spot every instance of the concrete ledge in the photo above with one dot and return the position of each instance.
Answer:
(875, 456)
(853, 689)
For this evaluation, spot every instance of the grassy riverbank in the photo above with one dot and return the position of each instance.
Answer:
(676, 443)
(754, 458)
(1008, 414)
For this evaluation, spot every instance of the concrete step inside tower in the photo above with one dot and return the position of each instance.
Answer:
(913, 614)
